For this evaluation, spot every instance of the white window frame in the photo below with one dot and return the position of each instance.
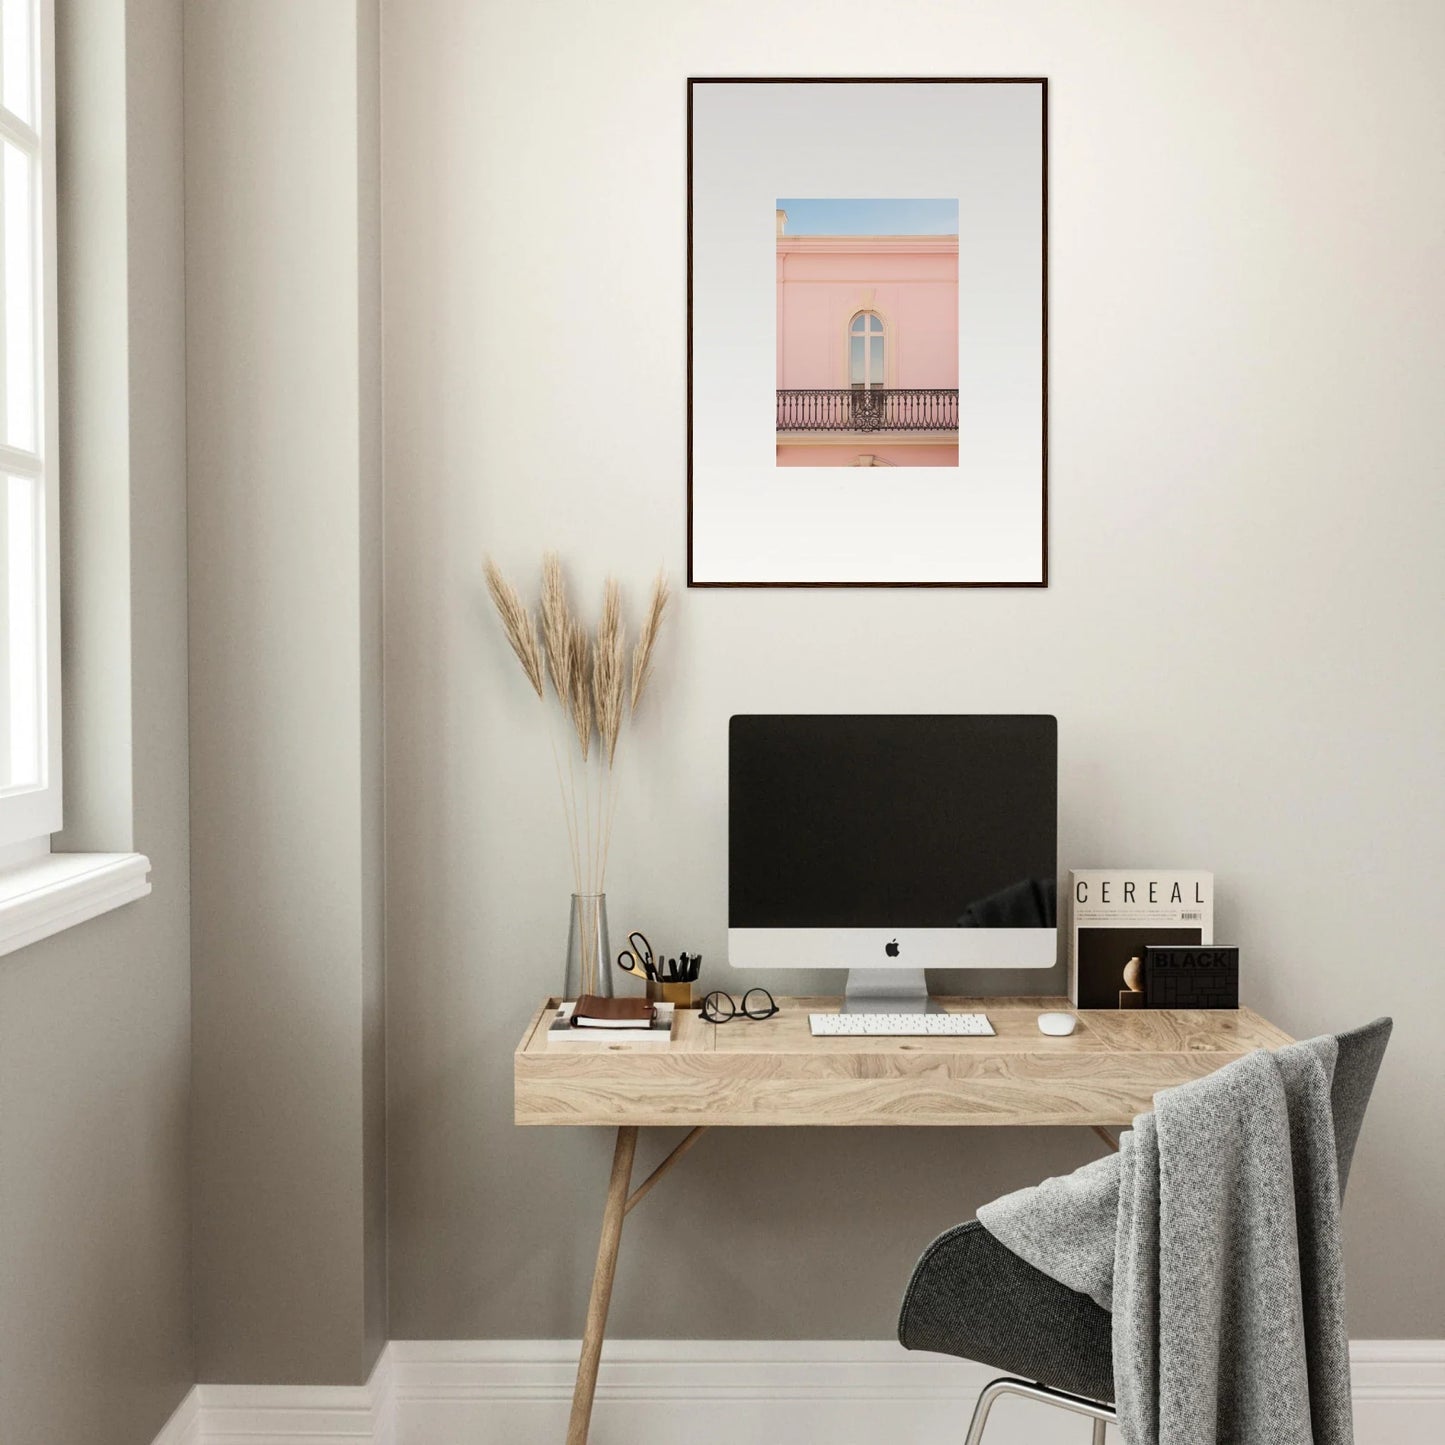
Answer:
(42, 892)
(869, 335)
(30, 814)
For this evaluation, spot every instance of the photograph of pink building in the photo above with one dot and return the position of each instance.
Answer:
(867, 320)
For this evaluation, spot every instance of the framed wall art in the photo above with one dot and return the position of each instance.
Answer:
(867, 293)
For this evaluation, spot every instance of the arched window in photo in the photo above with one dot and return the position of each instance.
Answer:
(865, 351)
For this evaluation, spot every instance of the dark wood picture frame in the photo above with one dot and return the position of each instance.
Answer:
(1042, 82)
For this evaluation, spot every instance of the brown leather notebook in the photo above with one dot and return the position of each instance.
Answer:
(593, 1012)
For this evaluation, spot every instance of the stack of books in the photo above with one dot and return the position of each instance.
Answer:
(614, 1025)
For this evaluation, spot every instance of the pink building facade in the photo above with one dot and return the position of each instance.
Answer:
(867, 350)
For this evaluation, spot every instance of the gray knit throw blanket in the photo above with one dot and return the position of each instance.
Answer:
(1213, 1236)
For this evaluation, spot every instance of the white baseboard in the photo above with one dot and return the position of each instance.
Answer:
(714, 1392)
(288, 1414)
(184, 1427)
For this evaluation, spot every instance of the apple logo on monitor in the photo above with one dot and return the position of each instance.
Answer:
(891, 948)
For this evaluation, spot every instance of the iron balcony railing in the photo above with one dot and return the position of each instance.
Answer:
(893, 408)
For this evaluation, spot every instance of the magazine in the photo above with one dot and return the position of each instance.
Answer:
(1116, 912)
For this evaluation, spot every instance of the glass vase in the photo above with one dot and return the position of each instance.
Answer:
(589, 956)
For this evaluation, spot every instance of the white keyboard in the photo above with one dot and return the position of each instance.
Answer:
(903, 1026)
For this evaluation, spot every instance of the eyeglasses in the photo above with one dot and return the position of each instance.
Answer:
(719, 1007)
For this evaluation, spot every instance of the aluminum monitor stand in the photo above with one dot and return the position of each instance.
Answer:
(887, 991)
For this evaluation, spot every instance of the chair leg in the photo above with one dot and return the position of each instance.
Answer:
(980, 1411)
(1101, 1415)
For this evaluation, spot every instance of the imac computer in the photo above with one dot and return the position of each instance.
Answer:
(890, 844)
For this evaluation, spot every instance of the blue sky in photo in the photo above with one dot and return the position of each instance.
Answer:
(870, 218)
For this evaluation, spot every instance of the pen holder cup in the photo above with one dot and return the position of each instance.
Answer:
(678, 994)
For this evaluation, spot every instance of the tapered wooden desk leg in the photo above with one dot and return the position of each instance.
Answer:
(601, 1297)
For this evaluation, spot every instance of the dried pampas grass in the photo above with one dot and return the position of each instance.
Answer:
(590, 680)
(557, 625)
(579, 685)
(609, 671)
(647, 639)
(517, 623)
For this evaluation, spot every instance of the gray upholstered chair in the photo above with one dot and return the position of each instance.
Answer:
(970, 1296)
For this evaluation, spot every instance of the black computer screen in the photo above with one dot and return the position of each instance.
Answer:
(892, 821)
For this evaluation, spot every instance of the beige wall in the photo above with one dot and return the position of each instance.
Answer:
(1241, 640)
(283, 379)
(95, 1344)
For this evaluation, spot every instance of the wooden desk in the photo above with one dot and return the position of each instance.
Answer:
(773, 1072)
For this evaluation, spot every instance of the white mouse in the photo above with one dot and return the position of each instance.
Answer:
(1057, 1024)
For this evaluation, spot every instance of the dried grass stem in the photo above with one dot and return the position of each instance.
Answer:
(594, 689)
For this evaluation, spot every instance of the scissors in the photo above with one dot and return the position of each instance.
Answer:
(637, 957)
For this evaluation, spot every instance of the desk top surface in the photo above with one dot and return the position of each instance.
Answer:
(773, 1072)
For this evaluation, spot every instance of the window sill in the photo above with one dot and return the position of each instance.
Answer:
(62, 889)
